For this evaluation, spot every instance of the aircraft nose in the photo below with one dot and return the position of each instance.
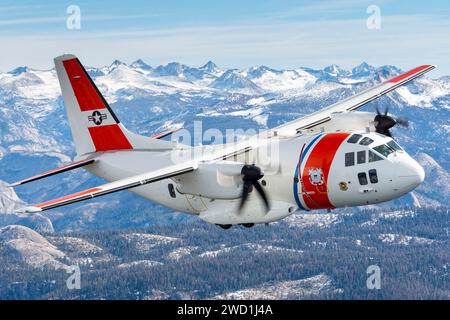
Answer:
(420, 174)
(412, 174)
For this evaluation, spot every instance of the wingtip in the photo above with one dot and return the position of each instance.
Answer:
(12, 185)
(30, 209)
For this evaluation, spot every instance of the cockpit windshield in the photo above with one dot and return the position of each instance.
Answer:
(384, 150)
(394, 145)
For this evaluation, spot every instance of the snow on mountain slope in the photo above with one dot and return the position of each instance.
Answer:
(275, 81)
(9, 201)
(284, 290)
(181, 252)
(30, 84)
(233, 80)
(143, 242)
(438, 186)
(211, 68)
(139, 263)
(28, 246)
(311, 219)
(260, 248)
(400, 239)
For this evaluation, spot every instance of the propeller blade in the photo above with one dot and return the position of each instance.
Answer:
(403, 122)
(246, 188)
(251, 174)
(378, 110)
(262, 194)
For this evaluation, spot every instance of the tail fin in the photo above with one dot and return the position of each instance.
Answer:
(94, 125)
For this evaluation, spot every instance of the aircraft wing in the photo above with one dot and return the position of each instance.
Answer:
(67, 167)
(119, 185)
(351, 103)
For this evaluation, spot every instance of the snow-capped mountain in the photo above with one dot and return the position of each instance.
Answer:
(29, 247)
(34, 135)
(9, 201)
(234, 80)
(212, 68)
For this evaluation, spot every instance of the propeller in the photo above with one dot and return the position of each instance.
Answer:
(251, 175)
(383, 122)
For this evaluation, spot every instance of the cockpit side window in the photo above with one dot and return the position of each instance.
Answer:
(354, 138)
(366, 141)
(374, 157)
(349, 159)
(361, 157)
(394, 145)
(384, 150)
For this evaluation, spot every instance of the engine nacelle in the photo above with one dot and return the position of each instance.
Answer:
(348, 121)
(221, 180)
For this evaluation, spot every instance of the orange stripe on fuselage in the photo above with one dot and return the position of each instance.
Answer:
(321, 157)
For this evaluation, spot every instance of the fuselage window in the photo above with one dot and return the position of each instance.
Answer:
(171, 190)
(354, 138)
(384, 150)
(373, 176)
(394, 145)
(361, 157)
(349, 159)
(374, 157)
(366, 141)
(362, 177)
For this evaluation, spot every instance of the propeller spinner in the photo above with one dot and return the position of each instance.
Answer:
(383, 122)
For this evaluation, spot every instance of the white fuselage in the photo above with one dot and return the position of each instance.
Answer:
(308, 172)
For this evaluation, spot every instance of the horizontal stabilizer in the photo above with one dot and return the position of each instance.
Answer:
(163, 134)
(119, 185)
(70, 166)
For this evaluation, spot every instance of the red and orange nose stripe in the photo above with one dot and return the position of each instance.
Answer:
(321, 157)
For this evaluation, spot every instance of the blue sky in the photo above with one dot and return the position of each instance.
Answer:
(281, 34)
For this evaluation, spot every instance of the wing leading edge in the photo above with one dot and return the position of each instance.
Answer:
(115, 186)
(351, 103)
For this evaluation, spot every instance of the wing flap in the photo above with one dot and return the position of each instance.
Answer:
(115, 186)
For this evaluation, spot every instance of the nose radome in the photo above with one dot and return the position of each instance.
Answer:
(413, 173)
(420, 173)
(417, 171)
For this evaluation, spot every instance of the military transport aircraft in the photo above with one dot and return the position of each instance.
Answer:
(332, 158)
